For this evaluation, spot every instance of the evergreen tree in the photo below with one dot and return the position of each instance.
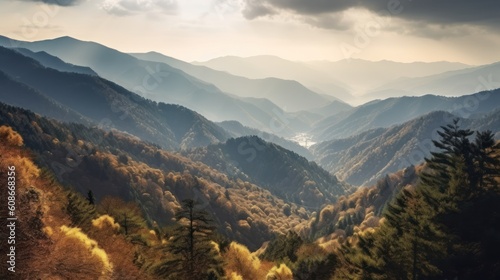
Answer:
(79, 209)
(444, 227)
(195, 255)
(90, 197)
(127, 214)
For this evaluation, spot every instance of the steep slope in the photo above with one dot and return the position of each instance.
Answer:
(153, 80)
(289, 95)
(51, 61)
(284, 173)
(117, 165)
(21, 95)
(110, 105)
(364, 158)
(360, 211)
(384, 113)
(236, 130)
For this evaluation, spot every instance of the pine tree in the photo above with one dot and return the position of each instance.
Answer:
(90, 197)
(196, 256)
(79, 209)
(444, 227)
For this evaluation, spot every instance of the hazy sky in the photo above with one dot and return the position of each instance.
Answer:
(400, 30)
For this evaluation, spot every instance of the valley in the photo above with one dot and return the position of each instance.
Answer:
(252, 167)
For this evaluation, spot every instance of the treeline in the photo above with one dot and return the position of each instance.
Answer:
(133, 211)
(65, 235)
(284, 173)
(445, 227)
(116, 164)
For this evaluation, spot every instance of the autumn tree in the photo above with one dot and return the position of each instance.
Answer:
(127, 214)
(280, 272)
(240, 261)
(446, 226)
(195, 255)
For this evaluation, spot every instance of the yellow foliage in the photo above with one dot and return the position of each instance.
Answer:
(240, 261)
(215, 245)
(104, 221)
(89, 244)
(48, 230)
(281, 272)
(234, 276)
(10, 137)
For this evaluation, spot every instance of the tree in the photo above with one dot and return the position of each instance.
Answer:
(90, 197)
(444, 227)
(240, 261)
(195, 255)
(127, 214)
(79, 210)
(280, 272)
(283, 247)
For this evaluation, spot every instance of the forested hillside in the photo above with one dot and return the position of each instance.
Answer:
(364, 158)
(104, 103)
(284, 173)
(115, 164)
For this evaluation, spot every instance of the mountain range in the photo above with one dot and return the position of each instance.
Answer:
(163, 83)
(364, 158)
(107, 104)
(350, 79)
(287, 94)
(391, 111)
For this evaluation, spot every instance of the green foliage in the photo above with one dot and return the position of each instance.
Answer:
(90, 197)
(80, 210)
(282, 172)
(127, 214)
(195, 255)
(447, 225)
(283, 247)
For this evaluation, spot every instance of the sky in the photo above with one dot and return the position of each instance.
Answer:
(300, 30)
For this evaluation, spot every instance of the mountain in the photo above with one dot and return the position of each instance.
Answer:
(156, 81)
(391, 111)
(363, 75)
(117, 166)
(360, 211)
(346, 79)
(332, 108)
(266, 66)
(54, 62)
(282, 172)
(366, 157)
(451, 83)
(21, 95)
(236, 130)
(109, 105)
(288, 94)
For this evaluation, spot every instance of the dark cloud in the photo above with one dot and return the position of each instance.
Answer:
(256, 10)
(481, 12)
(131, 7)
(328, 21)
(63, 3)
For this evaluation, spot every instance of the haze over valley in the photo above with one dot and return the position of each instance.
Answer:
(162, 139)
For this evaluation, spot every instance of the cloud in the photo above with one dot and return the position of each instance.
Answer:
(480, 12)
(63, 3)
(253, 9)
(131, 7)
(335, 21)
